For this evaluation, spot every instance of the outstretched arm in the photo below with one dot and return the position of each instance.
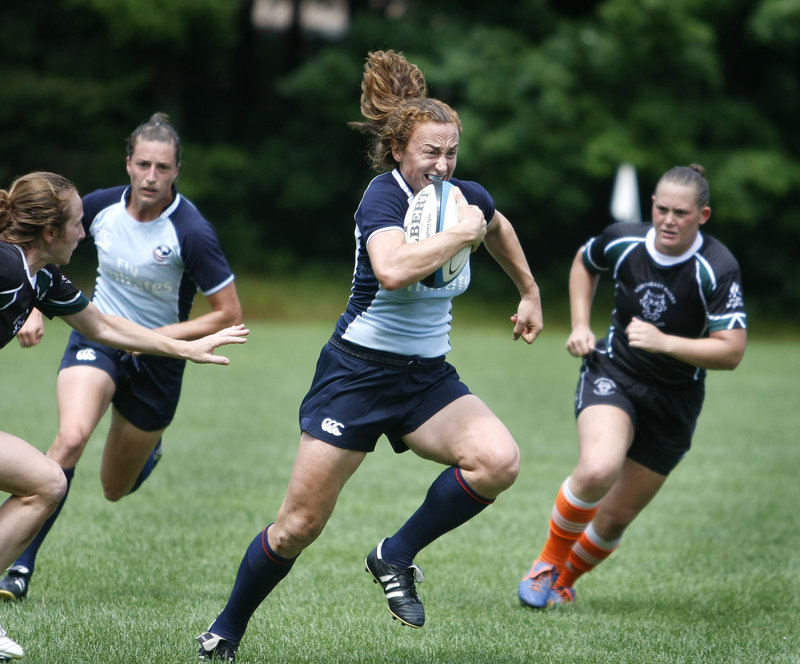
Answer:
(127, 335)
(503, 245)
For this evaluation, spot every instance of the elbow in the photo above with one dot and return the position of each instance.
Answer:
(392, 280)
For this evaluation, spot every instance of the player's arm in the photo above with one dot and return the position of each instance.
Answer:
(582, 289)
(32, 331)
(723, 349)
(398, 264)
(226, 310)
(503, 245)
(125, 334)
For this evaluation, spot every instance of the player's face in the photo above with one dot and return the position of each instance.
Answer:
(676, 217)
(64, 243)
(152, 169)
(431, 153)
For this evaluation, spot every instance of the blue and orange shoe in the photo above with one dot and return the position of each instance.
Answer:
(534, 589)
(560, 595)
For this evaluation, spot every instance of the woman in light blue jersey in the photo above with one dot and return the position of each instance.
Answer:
(377, 377)
(40, 225)
(155, 251)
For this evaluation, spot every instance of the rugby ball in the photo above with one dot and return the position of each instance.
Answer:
(432, 210)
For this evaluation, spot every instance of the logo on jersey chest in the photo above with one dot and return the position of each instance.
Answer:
(161, 252)
(654, 299)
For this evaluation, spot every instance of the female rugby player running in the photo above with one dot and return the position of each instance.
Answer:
(384, 370)
(679, 311)
(40, 225)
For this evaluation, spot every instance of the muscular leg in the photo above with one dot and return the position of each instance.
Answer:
(126, 451)
(320, 472)
(468, 435)
(631, 493)
(82, 394)
(482, 459)
(36, 484)
(605, 434)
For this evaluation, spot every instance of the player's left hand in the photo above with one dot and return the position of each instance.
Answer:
(528, 321)
(202, 350)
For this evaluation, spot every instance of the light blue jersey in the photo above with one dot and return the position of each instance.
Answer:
(415, 320)
(149, 272)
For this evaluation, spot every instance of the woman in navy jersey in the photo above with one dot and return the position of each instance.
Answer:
(155, 251)
(679, 312)
(383, 372)
(40, 225)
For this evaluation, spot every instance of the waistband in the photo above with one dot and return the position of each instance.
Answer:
(384, 358)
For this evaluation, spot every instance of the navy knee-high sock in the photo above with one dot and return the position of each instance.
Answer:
(149, 466)
(27, 558)
(260, 571)
(449, 503)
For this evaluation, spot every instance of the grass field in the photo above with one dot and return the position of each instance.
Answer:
(709, 573)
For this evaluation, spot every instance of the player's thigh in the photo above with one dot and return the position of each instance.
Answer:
(319, 474)
(605, 434)
(83, 394)
(465, 433)
(25, 471)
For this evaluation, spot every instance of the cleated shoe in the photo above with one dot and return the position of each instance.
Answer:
(14, 585)
(214, 648)
(398, 586)
(534, 589)
(9, 649)
(561, 595)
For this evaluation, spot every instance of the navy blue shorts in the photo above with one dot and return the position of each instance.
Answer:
(359, 394)
(147, 386)
(664, 418)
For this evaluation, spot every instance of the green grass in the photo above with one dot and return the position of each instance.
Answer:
(709, 572)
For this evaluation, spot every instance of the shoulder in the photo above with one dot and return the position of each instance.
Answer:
(476, 194)
(384, 203)
(100, 199)
(10, 261)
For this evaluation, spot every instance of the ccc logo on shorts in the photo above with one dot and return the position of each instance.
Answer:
(332, 426)
(604, 387)
(86, 355)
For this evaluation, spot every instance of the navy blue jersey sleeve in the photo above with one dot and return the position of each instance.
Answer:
(204, 261)
(476, 194)
(99, 200)
(383, 205)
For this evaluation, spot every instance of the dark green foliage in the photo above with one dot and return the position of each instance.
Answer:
(553, 96)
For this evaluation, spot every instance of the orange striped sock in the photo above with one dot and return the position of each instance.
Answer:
(568, 520)
(589, 551)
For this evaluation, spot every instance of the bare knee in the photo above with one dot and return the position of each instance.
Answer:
(68, 447)
(291, 533)
(495, 469)
(592, 482)
(51, 487)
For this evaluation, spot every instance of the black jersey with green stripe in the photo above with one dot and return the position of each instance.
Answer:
(689, 295)
(47, 290)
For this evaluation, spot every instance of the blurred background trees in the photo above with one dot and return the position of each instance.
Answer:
(552, 96)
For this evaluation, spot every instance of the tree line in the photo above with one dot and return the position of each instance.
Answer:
(552, 98)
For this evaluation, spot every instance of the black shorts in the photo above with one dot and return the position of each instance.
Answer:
(664, 417)
(148, 387)
(359, 394)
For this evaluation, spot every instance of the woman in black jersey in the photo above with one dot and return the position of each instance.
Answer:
(40, 225)
(679, 311)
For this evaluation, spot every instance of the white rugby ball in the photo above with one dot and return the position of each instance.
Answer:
(432, 210)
